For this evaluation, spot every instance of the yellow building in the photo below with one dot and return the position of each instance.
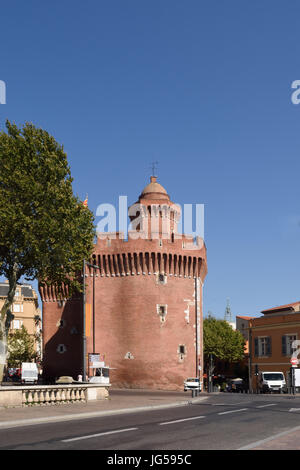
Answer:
(25, 310)
(273, 340)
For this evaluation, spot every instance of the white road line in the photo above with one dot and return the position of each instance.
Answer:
(264, 406)
(98, 435)
(268, 439)
(180, 420)
(232, 411)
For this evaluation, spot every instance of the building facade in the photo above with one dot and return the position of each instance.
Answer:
(143, 303)
(242, 325)
(25, 310)
(272, 339)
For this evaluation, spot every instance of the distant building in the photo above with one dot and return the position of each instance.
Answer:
(271, 339)
(242, 325)
(25, 310)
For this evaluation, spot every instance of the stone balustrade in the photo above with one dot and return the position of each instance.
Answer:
(44, 395)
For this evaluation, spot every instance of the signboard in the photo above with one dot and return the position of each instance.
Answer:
(294, 361)
(94, 358)
(297, 377)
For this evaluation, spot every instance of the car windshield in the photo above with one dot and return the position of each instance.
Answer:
(273, 376)
(29, 373)
(192, 380)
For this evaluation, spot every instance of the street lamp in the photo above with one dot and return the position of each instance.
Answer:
(94, 267)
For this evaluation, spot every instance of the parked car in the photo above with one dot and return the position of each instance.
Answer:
(192, 383)
(236, 386)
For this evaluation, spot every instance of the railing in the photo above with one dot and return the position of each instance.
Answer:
(53, 395)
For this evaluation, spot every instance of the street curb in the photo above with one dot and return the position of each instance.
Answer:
(93, 414)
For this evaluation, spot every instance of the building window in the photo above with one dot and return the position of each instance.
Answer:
(61, 348)
(17, 324)
(162, 312)
(181, 352)
(162, 279)
(287, 344)
(18, 308)
(262, 346)
(61, 323)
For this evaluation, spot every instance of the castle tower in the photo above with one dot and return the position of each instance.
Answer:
(148, 302)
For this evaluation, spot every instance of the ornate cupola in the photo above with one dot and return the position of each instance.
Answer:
(154, 215)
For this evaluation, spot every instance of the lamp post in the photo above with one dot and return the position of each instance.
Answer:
(94, 267)
(83, 327)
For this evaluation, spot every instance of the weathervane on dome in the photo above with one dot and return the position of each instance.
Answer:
(154, 168)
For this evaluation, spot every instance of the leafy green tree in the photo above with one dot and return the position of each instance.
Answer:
(221, 342)
(46, 232)
(20, 348)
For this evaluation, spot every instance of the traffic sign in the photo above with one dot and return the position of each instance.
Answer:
(294, 361)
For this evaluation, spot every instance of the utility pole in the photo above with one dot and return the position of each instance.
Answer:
(94, 310)
(197, 332)
(94, 267)
(250, 357)
(84, 327)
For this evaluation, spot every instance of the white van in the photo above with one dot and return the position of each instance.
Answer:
(29, 373)
(271, 382)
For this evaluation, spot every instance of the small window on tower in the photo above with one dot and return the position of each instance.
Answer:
(61, 348)
(61, 323)
(161, 279)
(162, 310)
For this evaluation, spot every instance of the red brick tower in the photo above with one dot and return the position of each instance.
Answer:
(148, 300)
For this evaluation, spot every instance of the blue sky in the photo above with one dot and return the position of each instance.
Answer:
(202, 87)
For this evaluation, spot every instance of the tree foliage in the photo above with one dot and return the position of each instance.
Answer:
(46, 232)
(221, 341)
(20, 348)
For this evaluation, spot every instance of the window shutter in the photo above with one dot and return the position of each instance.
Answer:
(255, 346)
(283, 344)
(269, 346)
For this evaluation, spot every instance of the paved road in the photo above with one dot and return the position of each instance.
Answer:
(225, 421)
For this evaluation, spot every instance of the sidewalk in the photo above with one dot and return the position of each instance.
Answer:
(119, 402)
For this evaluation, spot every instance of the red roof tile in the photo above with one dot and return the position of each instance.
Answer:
(281, 307)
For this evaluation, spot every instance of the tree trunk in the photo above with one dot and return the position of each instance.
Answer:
(6, 318)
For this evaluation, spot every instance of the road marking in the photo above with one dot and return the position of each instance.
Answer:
(268, 439)
(264, 406)
(98, 435)
(294, 409)
(181, 420)
(232, 411)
